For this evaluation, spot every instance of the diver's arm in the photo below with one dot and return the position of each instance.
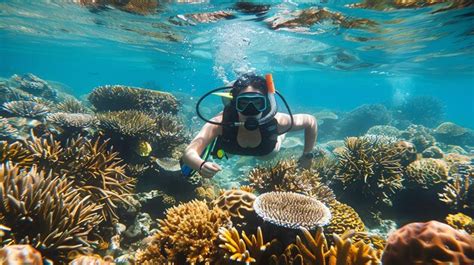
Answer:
(304, 122)
(192, 154)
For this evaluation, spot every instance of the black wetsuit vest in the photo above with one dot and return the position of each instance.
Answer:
(228, 140)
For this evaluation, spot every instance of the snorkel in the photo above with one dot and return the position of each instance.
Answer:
(250, 123)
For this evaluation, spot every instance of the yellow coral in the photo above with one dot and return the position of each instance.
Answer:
(189, 229)
(243, 249)
(461, 221)
(344, 218)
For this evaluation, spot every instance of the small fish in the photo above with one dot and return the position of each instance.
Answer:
(143, 148)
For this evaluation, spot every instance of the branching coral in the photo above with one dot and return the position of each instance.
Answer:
(35, 86)
(427, 172)
(14, 152)
(245, 249)
(170, 132)
(20, 254)
(236, 202)
(72, 120)
(190, 230)
(428, 243)
(6, 130)
(23, 108)
(291, 210)
(371, 166)
(129, 123)
(459, 190)
(316, 251)
(115, 98)
(45, 211)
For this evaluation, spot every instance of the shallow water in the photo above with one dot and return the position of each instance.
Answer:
(352, 68)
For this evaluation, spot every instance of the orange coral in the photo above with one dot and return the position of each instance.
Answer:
(237, 203)
(20, 255)
(245, 249)
(92, 259)
(344, 218)
(428, 243)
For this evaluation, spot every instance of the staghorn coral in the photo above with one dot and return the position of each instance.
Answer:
(71, 105)
(128, 123)
(461, 221)
(370, 166)
(19, 255)
(6, 130)
(190, 230)
(23, 108)
(14, 152)
(72, 120)
(344, 218)
(428, 243)
(245, 249)
(238, 203)
(458, 192)
(45, 211)
(291, 210)
(115, 98)
(427, 172)
(265, 179)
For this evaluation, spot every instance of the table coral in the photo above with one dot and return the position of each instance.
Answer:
(72, 120)
(23, 108)
(428, 243)
(127, 123)
(291, 210)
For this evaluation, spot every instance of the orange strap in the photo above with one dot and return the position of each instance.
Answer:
(270, 84)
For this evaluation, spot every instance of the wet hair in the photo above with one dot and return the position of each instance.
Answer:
(246, 80)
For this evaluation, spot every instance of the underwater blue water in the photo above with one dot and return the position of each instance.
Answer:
(411, 52)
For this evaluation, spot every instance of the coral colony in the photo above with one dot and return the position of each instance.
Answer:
(72, 172)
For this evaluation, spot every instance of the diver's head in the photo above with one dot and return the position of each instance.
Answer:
(249, 94)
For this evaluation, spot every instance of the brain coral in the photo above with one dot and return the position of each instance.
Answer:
(344, 218)
(291, 210)
(428, 243)
(427, 172)
(236, 202)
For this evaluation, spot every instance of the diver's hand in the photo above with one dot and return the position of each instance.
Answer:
(305, 161)
(209, 169)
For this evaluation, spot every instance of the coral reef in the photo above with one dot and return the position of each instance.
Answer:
(406, 151)
(12, 94)
(433, 152)
(291, 210)
(370, 166)
(238, 203)
(6, 130)
(116, 98)
(45, 211)
(127, 123)
(19, 255)
(71, 105)
(308, 17)
(92, 259)
(421, 110)
(428, 243)
(384, 130)
(170, 133)
(23, 108)
(427, 172)
(359, 120)
(14, 152)
(459, 189)
(461, 221)
(420, 136)
(34, 86)
(245, 249)
(344, 218)
(190, 230)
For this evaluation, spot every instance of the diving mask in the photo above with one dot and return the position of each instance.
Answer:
(251, 103)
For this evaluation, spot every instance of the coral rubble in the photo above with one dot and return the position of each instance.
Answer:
(291, 210)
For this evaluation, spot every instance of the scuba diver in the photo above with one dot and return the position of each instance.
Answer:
(249, 125)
